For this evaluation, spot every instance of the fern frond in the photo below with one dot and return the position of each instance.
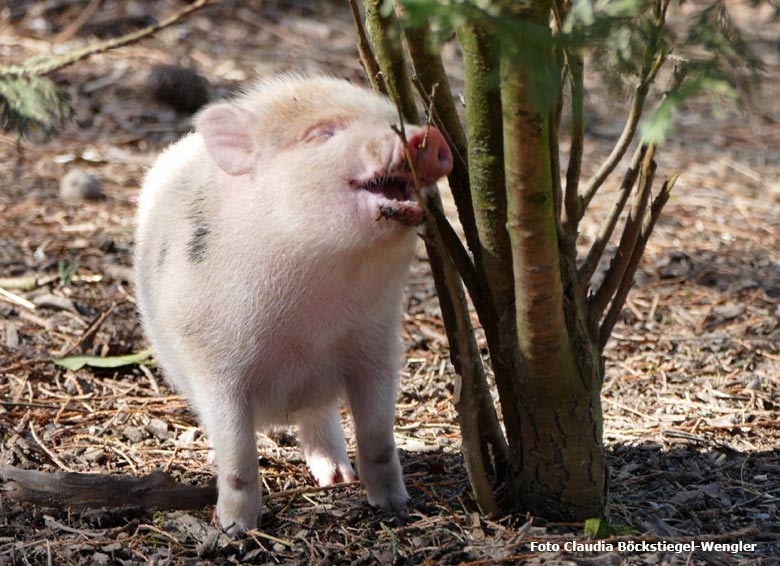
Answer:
(31, 104)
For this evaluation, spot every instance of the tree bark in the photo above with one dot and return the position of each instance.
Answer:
(486, 175)
(560, 464)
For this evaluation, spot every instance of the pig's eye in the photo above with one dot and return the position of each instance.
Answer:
(322, 131)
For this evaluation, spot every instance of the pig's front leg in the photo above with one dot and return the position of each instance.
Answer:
(372, 400)
(228, 419)
(323, 445)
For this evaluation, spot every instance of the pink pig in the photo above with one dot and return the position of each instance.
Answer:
(271, 253)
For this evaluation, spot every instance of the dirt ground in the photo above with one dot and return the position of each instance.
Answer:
(692, 395)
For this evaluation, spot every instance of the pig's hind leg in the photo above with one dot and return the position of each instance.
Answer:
(323, 445)
(228, 419)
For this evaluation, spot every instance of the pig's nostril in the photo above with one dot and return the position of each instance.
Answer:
(444, 158)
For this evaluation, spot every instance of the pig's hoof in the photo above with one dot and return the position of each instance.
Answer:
(234, 529)
(396, 500)
(236, 522)
(327, 472)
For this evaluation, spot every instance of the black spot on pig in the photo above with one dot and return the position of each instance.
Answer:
(161, 255)
(196, 247)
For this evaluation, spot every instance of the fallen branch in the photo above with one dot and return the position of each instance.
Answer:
(157, 490)
(89, 491)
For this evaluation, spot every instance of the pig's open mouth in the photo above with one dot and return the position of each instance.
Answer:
(395, 199)
(392, 188)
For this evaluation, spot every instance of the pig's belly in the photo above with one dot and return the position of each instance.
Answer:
(296, 375)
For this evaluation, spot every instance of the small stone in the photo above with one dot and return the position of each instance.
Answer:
(93, 454)
(729, 310)
(100, 558)
(158, 428)
(132, 434)
(77, 185)
(119, 273)
(11, 336)
(187, 436)
(113, 547)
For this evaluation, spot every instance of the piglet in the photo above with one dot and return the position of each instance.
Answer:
(271, 253)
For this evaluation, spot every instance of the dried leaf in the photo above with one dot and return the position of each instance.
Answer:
(79, 361)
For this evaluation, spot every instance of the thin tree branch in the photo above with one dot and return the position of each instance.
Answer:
(384, 33)
(654, 60)
(486, 173)
(480, 429)
(555, 159)
(367, 58)
(431, 111)
(481, 435)
(472, 398)
(589, 266)
(573, 171)
(55, 63)
(628, 277)
(460, 257)
(452, 244)
(73, 28)
(429, 69)
(628, 239)
(634, 114)
(496, 310)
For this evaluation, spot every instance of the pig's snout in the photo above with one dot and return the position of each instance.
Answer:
(431, 155)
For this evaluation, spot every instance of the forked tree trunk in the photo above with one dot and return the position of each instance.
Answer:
(545, 336)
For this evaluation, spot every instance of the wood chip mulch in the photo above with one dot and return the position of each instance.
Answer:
(691, 399)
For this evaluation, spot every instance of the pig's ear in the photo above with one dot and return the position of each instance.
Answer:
(227, 133)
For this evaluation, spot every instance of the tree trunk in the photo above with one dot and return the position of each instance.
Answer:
(558, 464)
(522, 275)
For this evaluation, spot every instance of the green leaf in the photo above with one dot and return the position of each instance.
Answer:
(66, 271)
(386, 8)
(596, 528)
(79, 361)
(657, 127)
